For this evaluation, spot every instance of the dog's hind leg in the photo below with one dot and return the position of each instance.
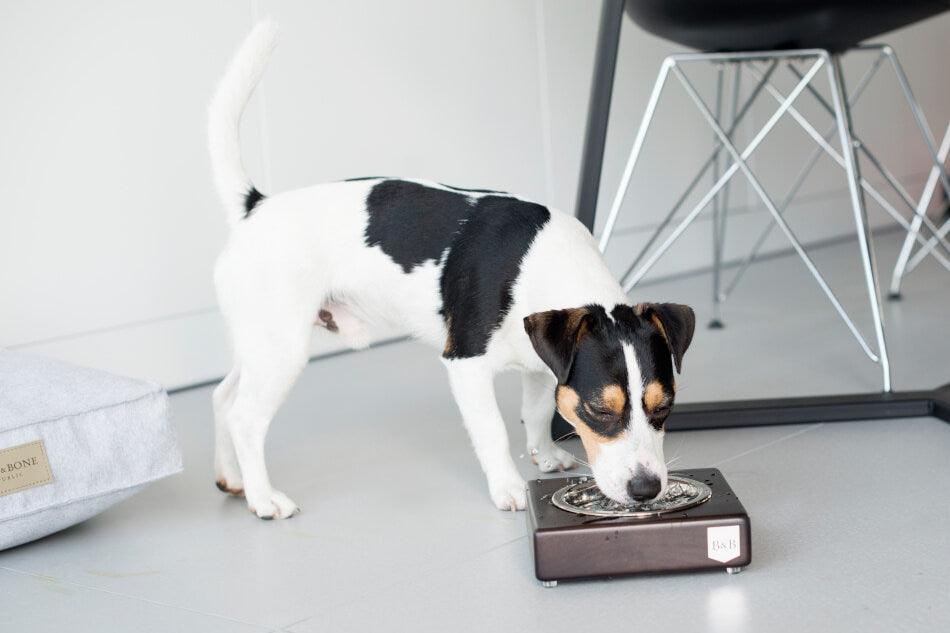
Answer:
(227, 472)
(271, 320)
(537, 409)
(472, 385)
(269, 368)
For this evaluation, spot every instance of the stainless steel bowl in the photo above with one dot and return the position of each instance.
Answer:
(586, 498)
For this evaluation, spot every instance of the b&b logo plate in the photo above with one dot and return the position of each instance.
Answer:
(723, 543)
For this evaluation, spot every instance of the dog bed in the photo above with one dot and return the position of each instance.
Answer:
(74, 441)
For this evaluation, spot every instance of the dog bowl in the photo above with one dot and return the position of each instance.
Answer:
(576, 532)
(586, 498)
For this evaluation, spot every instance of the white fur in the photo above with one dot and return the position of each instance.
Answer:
(224, 115)
(537, 409)
(639, 448)
(304, 250)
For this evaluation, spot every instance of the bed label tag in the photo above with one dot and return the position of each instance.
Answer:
(24, 466)
(722, 543)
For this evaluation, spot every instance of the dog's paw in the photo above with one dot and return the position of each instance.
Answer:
(508, 493)
(234, 489)
(552, 458)
(273, 505)
(227, 473)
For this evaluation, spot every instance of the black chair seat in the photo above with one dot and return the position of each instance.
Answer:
(758, 25)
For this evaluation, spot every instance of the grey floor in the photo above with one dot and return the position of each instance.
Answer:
(851, 522)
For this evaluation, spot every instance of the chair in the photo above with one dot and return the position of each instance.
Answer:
(757, 38)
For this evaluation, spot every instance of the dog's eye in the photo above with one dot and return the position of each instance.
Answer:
(660, 413)
(601, 412)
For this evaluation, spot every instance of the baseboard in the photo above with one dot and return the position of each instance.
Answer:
(177, 352)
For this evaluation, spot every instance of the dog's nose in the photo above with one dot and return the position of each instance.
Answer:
(643, 487)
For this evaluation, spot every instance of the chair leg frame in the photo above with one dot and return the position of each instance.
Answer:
(800, 179)
(865, 185)
(918, 208)
(843, 116)
(717, 208)
(721, 208)
(618, 200)
(848, 159)
(906, 263)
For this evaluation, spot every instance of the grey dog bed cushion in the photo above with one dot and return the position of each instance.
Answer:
(105, 437)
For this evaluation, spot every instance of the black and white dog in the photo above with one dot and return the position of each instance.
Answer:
(494, 281)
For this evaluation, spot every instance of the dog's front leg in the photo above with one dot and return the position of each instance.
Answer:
(537, 409)
(472, 385)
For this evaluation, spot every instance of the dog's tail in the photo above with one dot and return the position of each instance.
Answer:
(224, 118)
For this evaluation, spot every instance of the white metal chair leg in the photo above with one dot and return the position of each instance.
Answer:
(632, 280)
(721, 208)
(920, 214)
(737, 119)
(843, 116)
(716, 211)
(635, 153)
(740, 162)
(918, 117)
(865, 185)
(799, 180)
(904, 262)
(928, 247)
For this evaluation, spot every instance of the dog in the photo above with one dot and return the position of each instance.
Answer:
(492, 280)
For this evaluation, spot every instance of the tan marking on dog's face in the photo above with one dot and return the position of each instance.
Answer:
(653, 395)
(567, 402)
(614, 399)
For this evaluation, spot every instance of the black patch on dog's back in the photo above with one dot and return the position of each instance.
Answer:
(485, 238)
(413, 223)
(251, 199)
(481, 268)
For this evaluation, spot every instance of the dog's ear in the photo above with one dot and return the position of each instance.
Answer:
(555, 335)
(675, 322)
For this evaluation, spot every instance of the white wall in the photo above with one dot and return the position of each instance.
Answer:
(109, 227)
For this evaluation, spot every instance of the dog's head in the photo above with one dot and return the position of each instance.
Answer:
(615, 385)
